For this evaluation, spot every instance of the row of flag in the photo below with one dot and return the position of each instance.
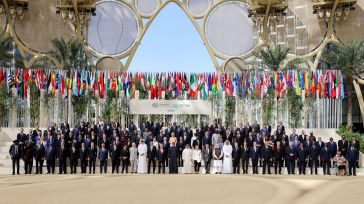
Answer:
(321, 84)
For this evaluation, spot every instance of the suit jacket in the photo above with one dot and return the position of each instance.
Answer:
(254, 154)
(73, 154)
(39, 152)
(50, 154)
(314, 153)
(161, 156)
(301, 154)
(353, 154)
(245, 153)
(236, 154)
(62, 154)
(152, 152)
(133, 152)
(91, 153)
(83, 154)
(103, 155)
(278, 154)
(343, 145)
(15, 151)
(207, 155)
(124, 153)
(115, 152)
(290, 153)
(332, 147)
(325, 154)
(266, 153)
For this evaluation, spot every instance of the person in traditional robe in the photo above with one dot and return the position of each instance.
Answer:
(217, 155)
(227, 150)
(172, 155)
(187, 159)
(142, 159)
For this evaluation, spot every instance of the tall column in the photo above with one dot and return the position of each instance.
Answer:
(14, 108)
(223, 108)
(56, 108)
(97, 108)
(41, 108)
(70, 109)
(27, 115)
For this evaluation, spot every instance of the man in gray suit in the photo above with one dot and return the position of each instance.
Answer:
(103, 156)
(133, 150)
(207, 155)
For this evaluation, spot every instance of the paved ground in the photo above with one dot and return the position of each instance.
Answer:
(179, 189)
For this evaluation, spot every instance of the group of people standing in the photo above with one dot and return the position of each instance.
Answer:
(155, 146)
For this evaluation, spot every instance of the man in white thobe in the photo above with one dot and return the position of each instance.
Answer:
(227, 150)
(187, 160)
(142, 160)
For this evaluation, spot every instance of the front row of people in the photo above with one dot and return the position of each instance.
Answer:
(224, 157)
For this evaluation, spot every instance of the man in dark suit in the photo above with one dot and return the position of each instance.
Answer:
(325, 157)
(73, 158)
(115, 157)
(352, 156)
(92, 155)
(51, 159)
(343, 146)
(39, 154)
(301, 159)
(254, 156)
(125, 156)
(332, 147)
(266, 156)
(290, 158)
(28, 154)
(151, 155)
(278, 155)
(103, 156)
(236, 154)
(354, 141)
(245, 154)
(62, 159)
(161, 157)
(207, 156)
(314, 154)
(15, 154)
(82, 154)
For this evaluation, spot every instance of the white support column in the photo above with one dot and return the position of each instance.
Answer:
(70, 108)
(27, 115)
(14, 108)
(223, 108)
(56, 107)
(42, 109)
(97, 108)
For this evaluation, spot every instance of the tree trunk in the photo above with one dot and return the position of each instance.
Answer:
(350, 102)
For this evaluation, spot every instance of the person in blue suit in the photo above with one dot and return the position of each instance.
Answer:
(352, 156)
(254, 156)
(290, 158)
(103, 156)
(15, 154)
(301, 159)
(326, 158)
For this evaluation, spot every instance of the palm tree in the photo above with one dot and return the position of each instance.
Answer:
(70, 54)
(350, 58)
(273, 56)
(6, 49)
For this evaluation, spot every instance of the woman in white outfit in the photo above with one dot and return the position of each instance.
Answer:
(142, 160)
(197, 159)
(187, 160)
(217, 155)
(227, 150)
